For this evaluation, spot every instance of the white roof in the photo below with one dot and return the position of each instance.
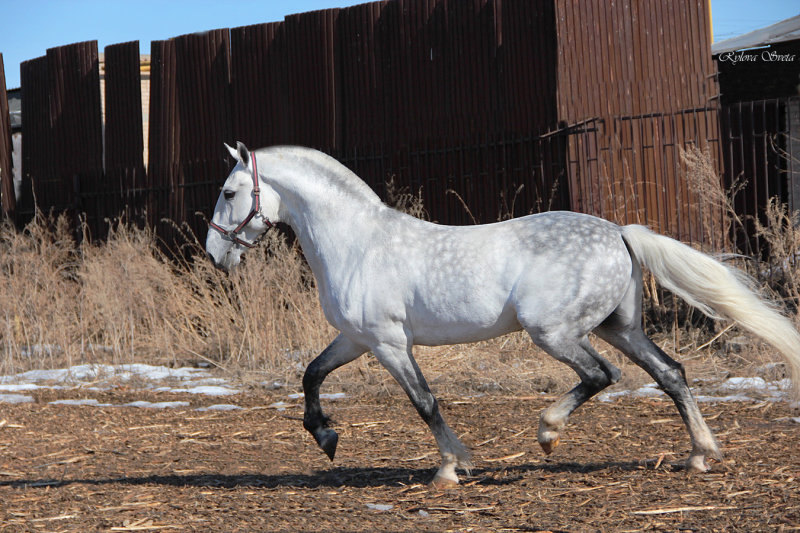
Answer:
(785, 30)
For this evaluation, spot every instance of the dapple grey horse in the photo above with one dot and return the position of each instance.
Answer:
(388, 281)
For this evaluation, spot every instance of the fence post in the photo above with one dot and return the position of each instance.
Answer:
(9, 202)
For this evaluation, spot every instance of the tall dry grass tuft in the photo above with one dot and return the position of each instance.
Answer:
(263, 316)
(781, 233)
(132, 301)
(714, 204)
(38, 291)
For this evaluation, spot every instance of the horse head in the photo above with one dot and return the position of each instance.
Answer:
(246, 208)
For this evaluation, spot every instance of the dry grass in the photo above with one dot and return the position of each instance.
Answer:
(125, 301)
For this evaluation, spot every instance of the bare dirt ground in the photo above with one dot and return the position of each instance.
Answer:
(68, 468)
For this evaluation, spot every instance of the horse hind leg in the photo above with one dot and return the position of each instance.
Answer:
(594, 371)
(623, 330)
(670, 376)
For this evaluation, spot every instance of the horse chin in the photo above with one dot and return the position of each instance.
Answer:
(222, 253)
(229, 261)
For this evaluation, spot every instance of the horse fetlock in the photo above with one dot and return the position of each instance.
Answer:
(698, 460)
(697, 464)
(446, 475)
(553, 420)
(461, 459)
(548, 433)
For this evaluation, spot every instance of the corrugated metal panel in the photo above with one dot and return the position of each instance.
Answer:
(646, 70)
(203, 104)
(259, 98)
(38, 159)
(364, 82)
(9, 203)
(123, 126)
(74, 82)
(164, 145)
(755, 134)
(125, 176)
(631, 58)
(527, 88)
(314, 91)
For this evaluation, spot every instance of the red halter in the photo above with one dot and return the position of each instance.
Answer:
(233, 233)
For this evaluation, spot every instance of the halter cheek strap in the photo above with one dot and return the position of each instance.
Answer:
(233, 234)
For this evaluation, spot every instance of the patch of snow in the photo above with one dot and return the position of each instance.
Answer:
(702, 398)
(16, 387)
(206, 381)
(158, 373)
(323, 396)
(645, 391)
(731, 390)
(86, 401)
(156, 405)
(380, 506)
(219, 407)
(743, 383)
(15, 398)
(333, 396)
(41, 375)
(103, 377)
(211, 390)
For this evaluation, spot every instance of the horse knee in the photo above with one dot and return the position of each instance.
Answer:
(672, 379)
(312, 375)
(427, 407)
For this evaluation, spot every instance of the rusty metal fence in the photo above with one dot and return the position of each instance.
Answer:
(762, 154)
(470, 102)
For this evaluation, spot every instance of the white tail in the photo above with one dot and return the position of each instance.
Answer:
(715, 289)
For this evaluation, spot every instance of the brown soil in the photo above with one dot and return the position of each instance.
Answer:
(68, 468)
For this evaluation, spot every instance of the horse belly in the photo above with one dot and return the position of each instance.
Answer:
(452, 323)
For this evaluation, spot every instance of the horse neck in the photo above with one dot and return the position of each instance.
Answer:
(331, 223)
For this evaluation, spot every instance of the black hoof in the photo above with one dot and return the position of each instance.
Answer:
(327, 440)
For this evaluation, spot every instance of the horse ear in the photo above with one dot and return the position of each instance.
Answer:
(232, 151)
(244, 153)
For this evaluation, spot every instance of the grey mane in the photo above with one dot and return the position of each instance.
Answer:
(338, 175)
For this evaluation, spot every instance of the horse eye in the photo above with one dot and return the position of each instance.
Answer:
(229, 194)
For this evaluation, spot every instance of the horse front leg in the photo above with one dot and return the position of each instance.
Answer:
(340, 352)
(401, 365)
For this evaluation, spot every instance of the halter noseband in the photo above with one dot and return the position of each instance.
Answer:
(233, 233)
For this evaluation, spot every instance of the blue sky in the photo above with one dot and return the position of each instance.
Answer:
(30, 27)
